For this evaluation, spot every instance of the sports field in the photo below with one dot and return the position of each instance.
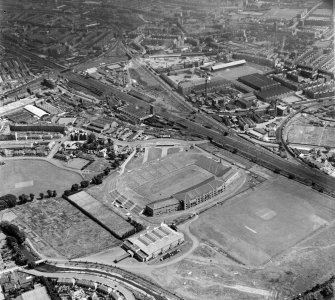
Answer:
(282, 13)
(34, 176)
(255, 227)
(311, 135)
(174, 182)
(236, 72)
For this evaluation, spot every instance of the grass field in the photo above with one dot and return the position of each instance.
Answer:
(56, 228)
(34, 176)
(234, 73)
(174, 182)
(312, 135)
(262, 224)
(76, 163)
(282, 13)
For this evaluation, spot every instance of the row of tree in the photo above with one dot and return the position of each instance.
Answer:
(9, 200)
(318, 292)
(85, 183)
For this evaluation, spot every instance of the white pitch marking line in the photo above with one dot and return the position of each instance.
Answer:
(250, 229)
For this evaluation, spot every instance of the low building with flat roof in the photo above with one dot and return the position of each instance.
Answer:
(153, 242)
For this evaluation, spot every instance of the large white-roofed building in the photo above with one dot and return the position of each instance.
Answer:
(153, 242)
(221, 66)
(35, 111)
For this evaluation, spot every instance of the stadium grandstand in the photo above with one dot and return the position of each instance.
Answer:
(197, 194)
(153, 242)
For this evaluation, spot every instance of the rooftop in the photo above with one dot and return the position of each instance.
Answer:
(152, 240)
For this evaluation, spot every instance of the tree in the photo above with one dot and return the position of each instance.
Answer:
(23, 199)
(91, 138)
(106, 171)
(49, 192)
(32, 196)
(41, 196)
(75, 187)
(14, 231)
(9, 199)
(67, 193)
(54, 193)
(84, 184)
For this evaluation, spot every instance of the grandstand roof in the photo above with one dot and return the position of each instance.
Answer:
(35, 110)
(163, 203)
(199, 190)
(153, 240)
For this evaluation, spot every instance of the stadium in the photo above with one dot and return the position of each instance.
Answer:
(177, 182)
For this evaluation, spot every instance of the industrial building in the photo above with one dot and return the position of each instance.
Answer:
(222, 66)
(199, 85)
(35, 111)
(258, 81)
(135, 114)
(149, 244)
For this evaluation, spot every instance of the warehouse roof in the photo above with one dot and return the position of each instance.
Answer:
(35, 110)
(152, 240)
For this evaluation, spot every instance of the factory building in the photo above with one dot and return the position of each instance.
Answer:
(135, 114)
(258, 81)
(149, 244)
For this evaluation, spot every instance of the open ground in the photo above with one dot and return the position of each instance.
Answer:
(261, 224)
(58, 229)
(34, 176)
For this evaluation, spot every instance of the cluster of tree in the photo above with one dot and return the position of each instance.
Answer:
(15, 237)
(50, 287)
(319, 292)
(50, 194)
(7, 201)
(19, 258)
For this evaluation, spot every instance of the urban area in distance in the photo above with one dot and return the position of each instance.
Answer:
(167, 150)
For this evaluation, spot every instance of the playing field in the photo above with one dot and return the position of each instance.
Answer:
(255, 227)
(34, 176)
(312, 135)
(234, 73)
(282, 13)
(174, 182)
